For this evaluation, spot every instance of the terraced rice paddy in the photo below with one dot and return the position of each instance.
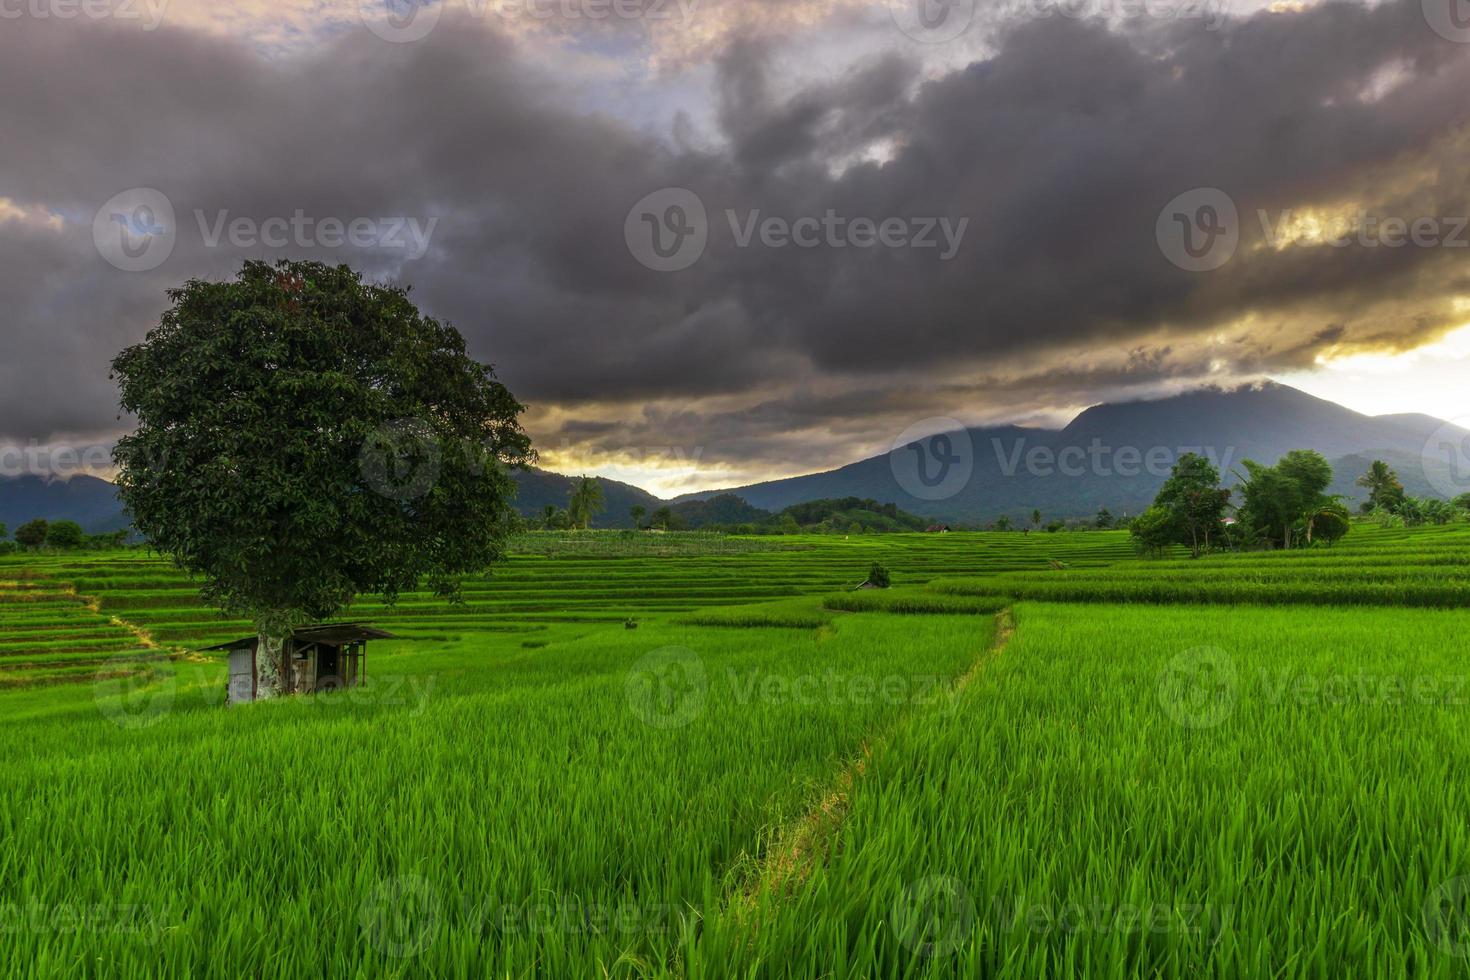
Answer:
(1035, 756)
(49, 633)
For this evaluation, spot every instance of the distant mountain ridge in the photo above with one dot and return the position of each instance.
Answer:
(90, 502)
(540, 489)
(93, 503)
(1100, 459)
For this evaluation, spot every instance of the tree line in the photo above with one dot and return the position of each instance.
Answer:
(1388, 504)
(584, 502)
(40, 534)
(1281, 506)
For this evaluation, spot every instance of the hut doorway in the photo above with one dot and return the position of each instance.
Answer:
(328, 668)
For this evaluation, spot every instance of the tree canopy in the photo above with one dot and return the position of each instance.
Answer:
(1154, 530)
(65, 534)
(1286, 503)
(1195, 503)
(304, 437)
(32, 534)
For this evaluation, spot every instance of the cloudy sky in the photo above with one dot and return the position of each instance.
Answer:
(714, 241)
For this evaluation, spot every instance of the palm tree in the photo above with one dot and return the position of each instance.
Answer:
(548, 516)
(586, 501)
(1383, 486)
(1036, 518)
(636, 512)
(1327, 512)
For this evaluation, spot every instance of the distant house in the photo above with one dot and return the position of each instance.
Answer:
(937, 529)
(315, 658)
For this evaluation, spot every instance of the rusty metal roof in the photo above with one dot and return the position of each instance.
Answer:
(331, 634)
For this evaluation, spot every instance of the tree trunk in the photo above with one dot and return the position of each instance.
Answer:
(269, 666)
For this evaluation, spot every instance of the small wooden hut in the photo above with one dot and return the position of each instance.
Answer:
(315, 658)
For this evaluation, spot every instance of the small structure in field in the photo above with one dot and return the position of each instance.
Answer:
(937, 529)
(315, 658)
(878, 578)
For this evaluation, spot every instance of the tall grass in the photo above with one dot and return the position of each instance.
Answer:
(772, 775)
(1300, 813)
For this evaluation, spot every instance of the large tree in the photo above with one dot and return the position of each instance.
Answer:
(32, 534)
(65, 534)
(1154, 531)
(1285, 503)
(1311, 474)
(304, 437)
(1196, 502)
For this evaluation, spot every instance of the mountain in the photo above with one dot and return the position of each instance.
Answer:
(90, 502)
(542, 488)
(725, 508)
(1117, 456)
(93, 503)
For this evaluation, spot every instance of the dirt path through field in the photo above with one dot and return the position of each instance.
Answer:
(806, 842)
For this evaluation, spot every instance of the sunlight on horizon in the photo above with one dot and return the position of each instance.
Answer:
(1429, 380)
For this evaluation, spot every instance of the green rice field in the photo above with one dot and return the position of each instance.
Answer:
(696, 756)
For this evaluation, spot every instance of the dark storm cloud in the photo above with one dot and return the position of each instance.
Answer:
(1060, 150)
